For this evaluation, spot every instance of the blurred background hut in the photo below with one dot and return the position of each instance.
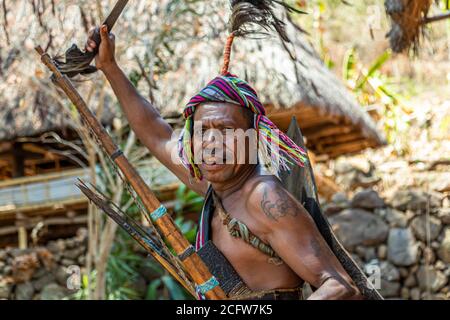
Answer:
(41, 157)
(37, 126)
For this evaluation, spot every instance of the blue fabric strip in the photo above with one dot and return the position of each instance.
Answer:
(207, 286)
(158, 213)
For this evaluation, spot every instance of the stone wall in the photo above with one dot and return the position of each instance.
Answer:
(407, 236)
(41, 273)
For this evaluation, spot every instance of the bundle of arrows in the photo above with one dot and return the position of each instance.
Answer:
(185, 266)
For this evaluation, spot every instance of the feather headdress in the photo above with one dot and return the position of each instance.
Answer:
(275, 149)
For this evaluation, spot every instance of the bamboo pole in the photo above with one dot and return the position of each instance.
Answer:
(194, 266)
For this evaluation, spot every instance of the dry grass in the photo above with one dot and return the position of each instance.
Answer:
(407, 23)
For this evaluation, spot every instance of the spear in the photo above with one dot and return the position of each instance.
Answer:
(206, 283)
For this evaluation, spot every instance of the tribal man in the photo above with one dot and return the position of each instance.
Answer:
(263, 231)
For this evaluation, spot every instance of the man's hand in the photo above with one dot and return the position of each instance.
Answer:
(106, 53)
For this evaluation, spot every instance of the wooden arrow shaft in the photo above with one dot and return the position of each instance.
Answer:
(115, 14)
(110, 21)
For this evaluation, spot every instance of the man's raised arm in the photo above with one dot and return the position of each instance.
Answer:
(144, 119)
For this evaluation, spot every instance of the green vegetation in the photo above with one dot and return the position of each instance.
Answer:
(375, 89)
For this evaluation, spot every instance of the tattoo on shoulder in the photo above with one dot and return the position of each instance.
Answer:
(280, 207)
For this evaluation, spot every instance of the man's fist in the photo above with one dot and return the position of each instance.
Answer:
(105, 57)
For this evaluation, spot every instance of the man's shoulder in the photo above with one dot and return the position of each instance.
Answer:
(256, 186)
(258, 192)
(271, 204)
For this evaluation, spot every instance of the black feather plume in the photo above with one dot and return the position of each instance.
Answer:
(250, 16)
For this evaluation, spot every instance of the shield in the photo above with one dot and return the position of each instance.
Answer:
(301, 184)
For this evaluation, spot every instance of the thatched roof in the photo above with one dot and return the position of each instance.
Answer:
(27, 111)
(21, 111)
(407, 23)
(303, 87)
(300, 85)
(29, 103)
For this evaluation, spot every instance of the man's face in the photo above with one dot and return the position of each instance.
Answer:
(220, 155)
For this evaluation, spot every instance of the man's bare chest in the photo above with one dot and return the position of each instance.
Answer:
(251, 264)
